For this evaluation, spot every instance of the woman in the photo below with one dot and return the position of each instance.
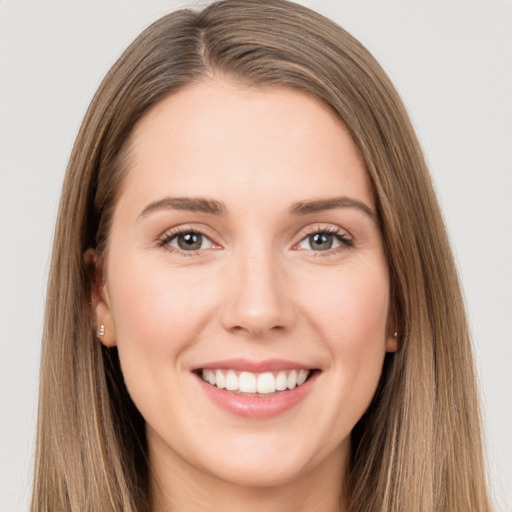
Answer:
(252, 301)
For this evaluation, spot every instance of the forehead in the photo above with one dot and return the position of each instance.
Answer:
(215, 137)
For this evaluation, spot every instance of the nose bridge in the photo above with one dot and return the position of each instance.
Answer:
(257, 301)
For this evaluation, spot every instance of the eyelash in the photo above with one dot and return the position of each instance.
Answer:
(345, 241)
(165, 240)
(341, 235)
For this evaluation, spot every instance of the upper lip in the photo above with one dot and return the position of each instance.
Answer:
(264, 365)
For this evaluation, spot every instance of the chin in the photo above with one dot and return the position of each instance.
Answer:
(259, 474)
(270, 462)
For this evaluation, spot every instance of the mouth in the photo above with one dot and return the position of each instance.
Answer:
(256, 390)
(261, 384)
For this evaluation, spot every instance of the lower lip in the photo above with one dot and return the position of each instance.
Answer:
(258, 406)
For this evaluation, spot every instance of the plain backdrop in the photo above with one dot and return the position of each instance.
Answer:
(451, 62)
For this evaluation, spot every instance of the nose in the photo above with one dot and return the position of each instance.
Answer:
(258, 299)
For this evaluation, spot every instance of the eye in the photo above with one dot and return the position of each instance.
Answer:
(188, 241)
(324, 240)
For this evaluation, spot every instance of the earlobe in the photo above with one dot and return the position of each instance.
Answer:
(392, 342)
(392, 332)
(100, 300)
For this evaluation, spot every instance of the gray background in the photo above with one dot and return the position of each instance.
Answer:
(452, 63)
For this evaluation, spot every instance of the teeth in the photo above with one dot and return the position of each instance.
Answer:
(231, 381)
(220, 380)
(291, 381)
(262, 383)
(247, 382)
(266, 383)
(281, 381)
(301, 377)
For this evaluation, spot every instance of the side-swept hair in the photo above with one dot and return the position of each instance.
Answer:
(418, 446)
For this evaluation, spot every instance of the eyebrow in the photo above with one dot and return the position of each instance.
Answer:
(198, 204)
(307, 207)
(191, 204)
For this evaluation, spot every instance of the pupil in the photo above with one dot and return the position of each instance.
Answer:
(190, 241)
(321, 241)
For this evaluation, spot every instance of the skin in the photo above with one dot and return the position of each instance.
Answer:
(257, 289)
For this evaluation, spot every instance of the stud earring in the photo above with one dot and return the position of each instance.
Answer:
(395, 335)
(101, 331)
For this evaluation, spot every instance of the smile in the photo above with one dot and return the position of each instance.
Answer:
(246, 382)
(256, 390)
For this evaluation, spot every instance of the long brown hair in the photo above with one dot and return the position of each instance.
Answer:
(418, 447)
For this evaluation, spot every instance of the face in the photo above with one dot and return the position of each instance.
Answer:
(245, 284)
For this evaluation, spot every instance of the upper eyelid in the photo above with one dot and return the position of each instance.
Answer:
(324, 228)
(327, 229)
(187, 228)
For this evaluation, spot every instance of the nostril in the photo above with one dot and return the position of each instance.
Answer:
(256, 330)
(257, 304)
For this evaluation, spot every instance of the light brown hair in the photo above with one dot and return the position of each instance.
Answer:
(418, 446)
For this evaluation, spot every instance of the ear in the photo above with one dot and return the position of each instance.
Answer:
(392, 342)
(392, 333)
(100, 299)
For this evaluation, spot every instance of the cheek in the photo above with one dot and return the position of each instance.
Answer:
(157, 311)
(352, 301)
(349, 309)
